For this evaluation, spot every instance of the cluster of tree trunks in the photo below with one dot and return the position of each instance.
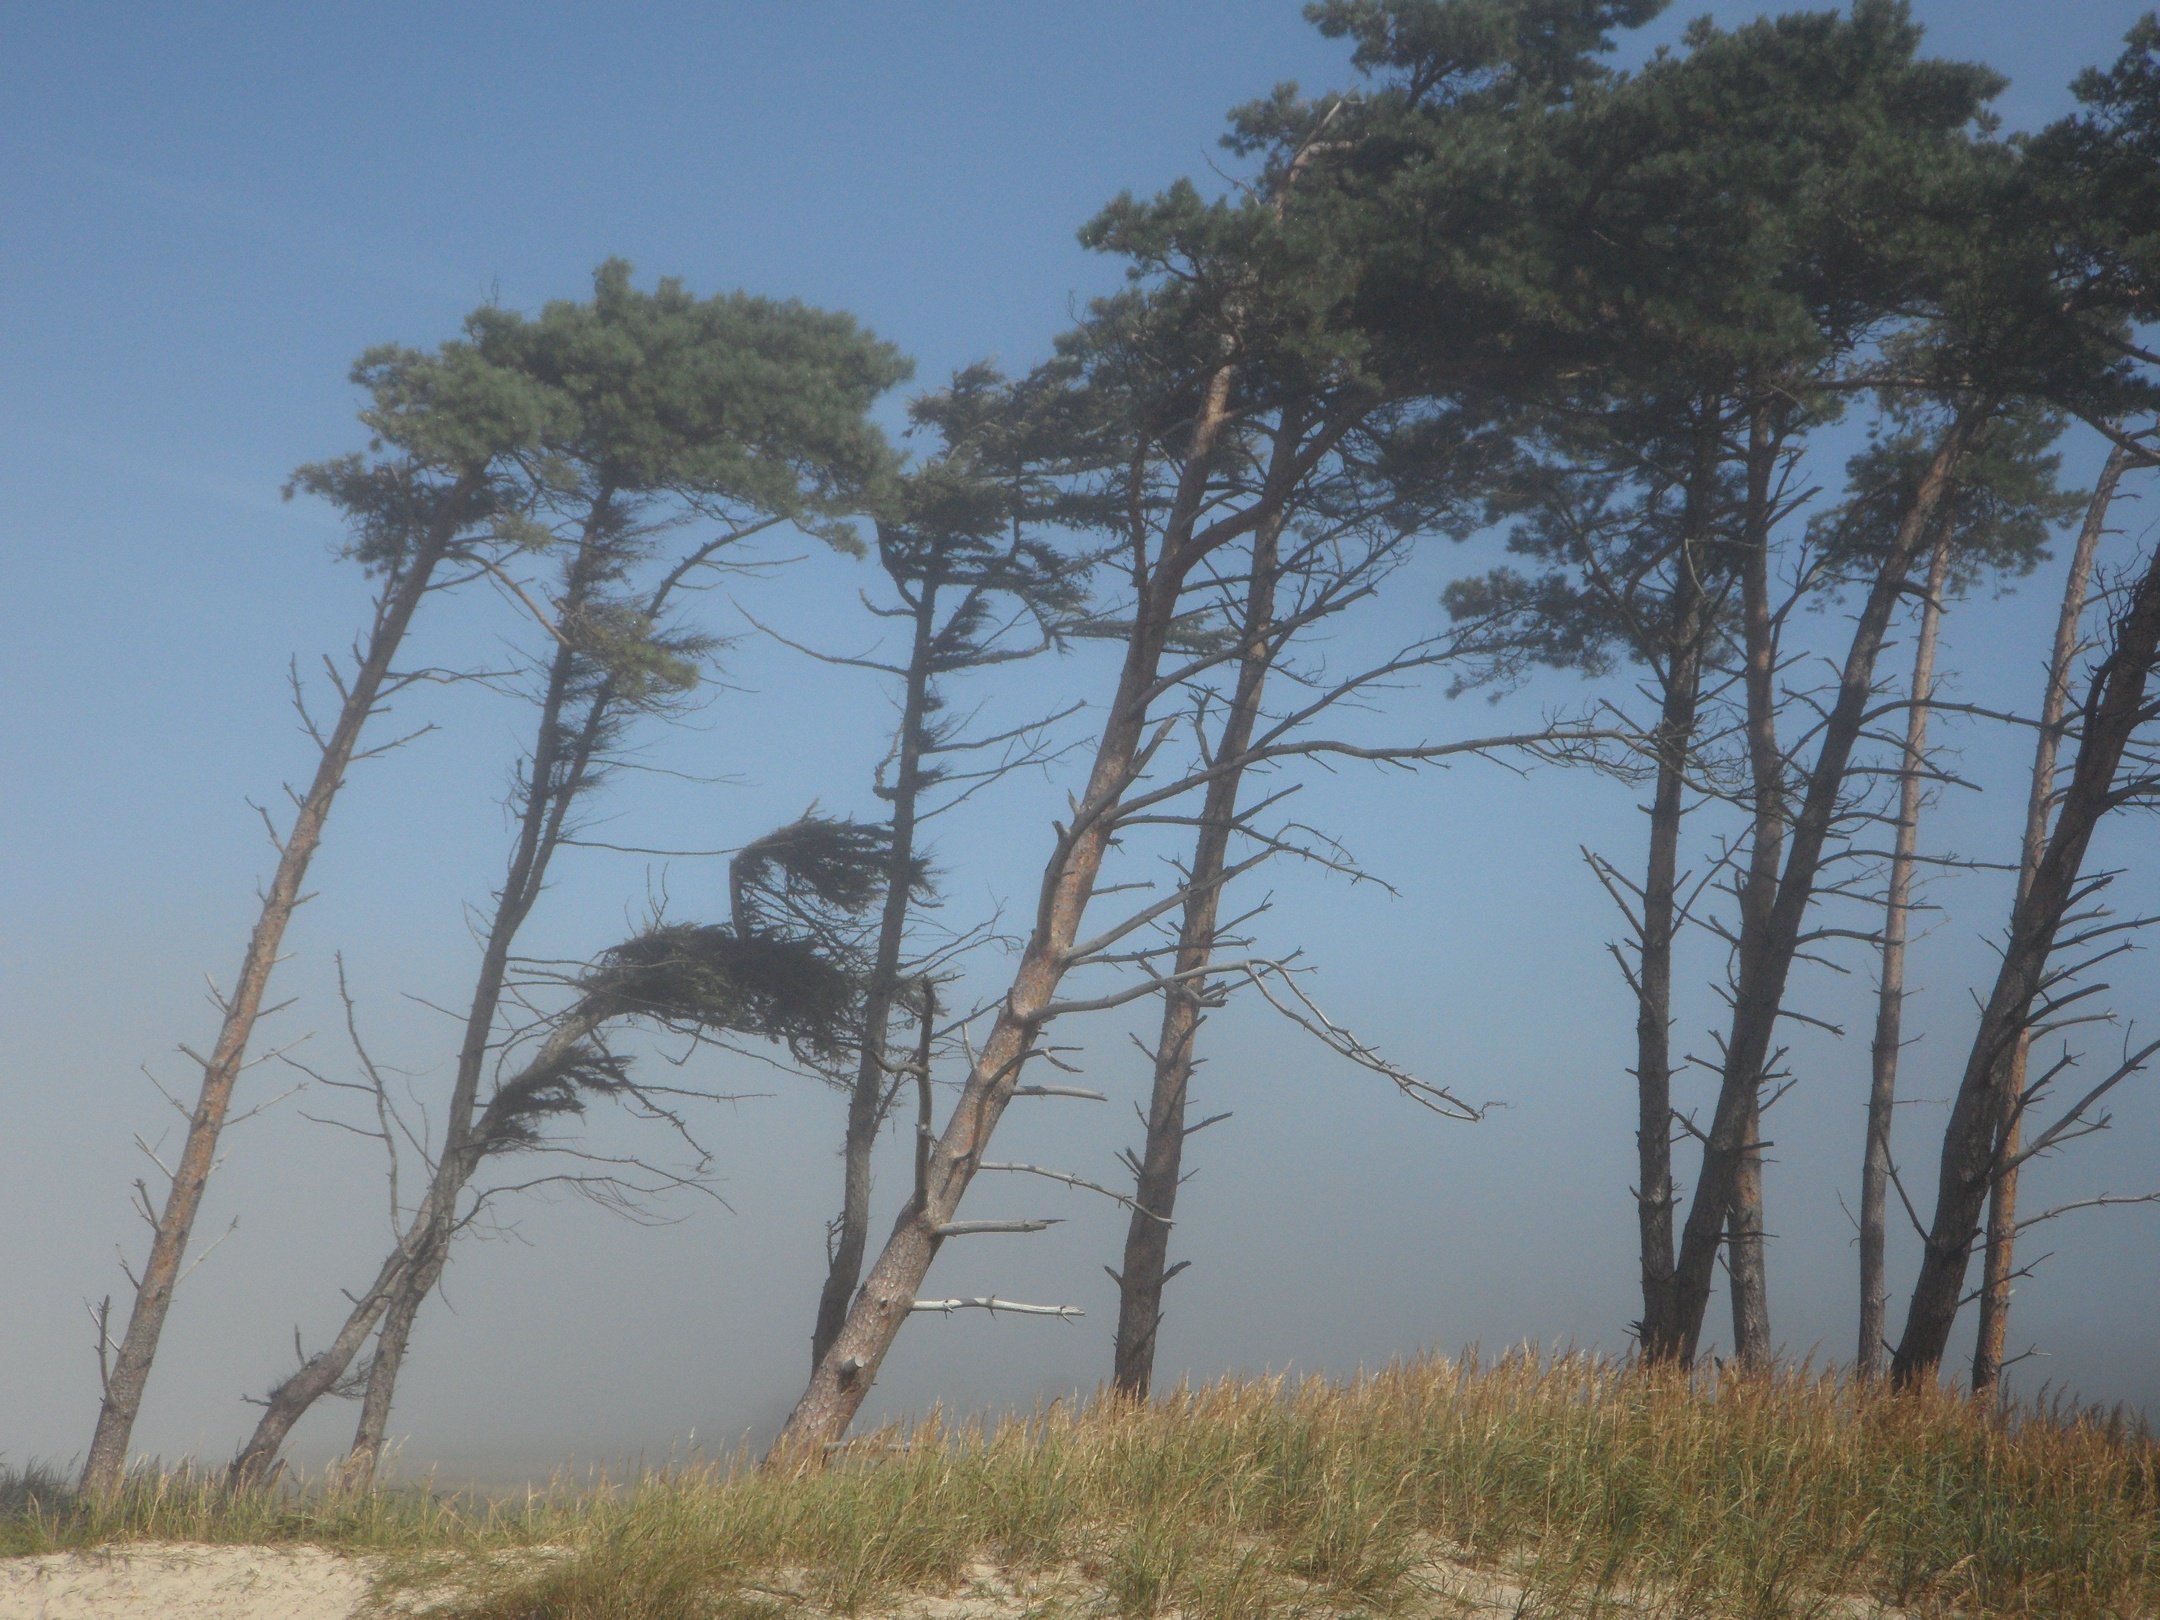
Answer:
(1503, 281)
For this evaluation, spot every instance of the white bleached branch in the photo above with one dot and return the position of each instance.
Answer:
(991, 1303)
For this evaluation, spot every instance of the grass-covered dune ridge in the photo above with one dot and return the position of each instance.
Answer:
(1571, 1479)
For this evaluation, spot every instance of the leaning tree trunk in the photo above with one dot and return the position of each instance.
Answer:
(316, 1377)
(324, 1371)
(2115, 707)
(850, 1366)
(559, 766)
(1890, 995)
(872, 1073)
(1147, 1239)
(2000, 1254)
(1766, 960)
(365, 1456)
(559, 770)
(1745, 1261)
(106, 1464)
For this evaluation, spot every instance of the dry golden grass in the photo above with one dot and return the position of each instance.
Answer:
(1587, 1486)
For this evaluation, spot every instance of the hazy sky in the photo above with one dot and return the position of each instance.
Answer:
(210, 210)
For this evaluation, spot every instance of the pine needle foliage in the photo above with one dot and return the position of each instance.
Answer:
(550, 1088)
(817, 876)
(708, 976)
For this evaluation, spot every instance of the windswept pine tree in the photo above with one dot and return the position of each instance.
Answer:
(438, 500)
(1999, 1263)
(1248, 360)
(1701, 342)
(1860, 270)
(2078, 239)
(975, 585)
(1993, 525)
(715, 419)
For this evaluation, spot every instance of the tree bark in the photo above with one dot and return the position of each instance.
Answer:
(106, 1464)
(866, 1100)
(559, 770)
(1766, 960)
(842, 1380)
(1999, 1257)
(1744, 1255)
(322, 1372)
(1147, 1238)
(1675, 749)
(1745, 1262)
(365, 1455)
(1890, 995)
(2115, 706)
(559, 767)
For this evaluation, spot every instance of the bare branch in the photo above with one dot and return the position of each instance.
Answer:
(2074, 1115)
(2104, 1201)
(1308, 1017)
(1075, 1181)
(992, 1304)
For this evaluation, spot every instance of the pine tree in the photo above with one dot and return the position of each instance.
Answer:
(437, 497)
(729, 414)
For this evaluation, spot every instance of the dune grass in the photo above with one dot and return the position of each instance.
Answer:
(40, 1512)
(1583, 1485)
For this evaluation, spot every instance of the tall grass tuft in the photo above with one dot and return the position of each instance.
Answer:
(41, 1512)
(1575, 1485)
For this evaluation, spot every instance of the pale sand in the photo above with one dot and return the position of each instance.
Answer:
(181, 1581)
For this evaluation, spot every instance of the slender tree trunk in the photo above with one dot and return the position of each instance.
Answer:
(1766, 960)
(872, 1074)
(1147, 1238)
(2000, 1254)
(558, 769)
(316, 1377)
(322, 1372)
(925, 1121)
(561, 762)
(106, 1464)
(2116, 706)
(1890, 998)
(1688, 626)
(1744, 1238)
(844, 1377)
(389, 1359)
(1745, 1262)
(1675, 747)
(1654, 1196)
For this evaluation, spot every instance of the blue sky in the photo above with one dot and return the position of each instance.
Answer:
(208, 211)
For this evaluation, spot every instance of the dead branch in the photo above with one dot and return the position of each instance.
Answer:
(992, 1304)
(1075, 1181)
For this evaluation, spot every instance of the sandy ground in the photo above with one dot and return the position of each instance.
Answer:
(179, 1581)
